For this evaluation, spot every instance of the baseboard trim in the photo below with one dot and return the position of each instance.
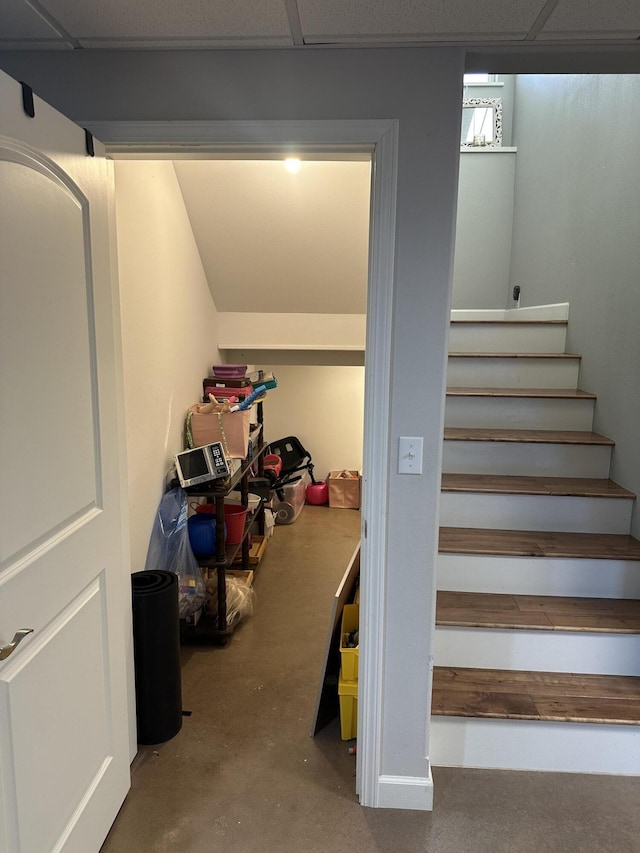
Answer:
(405, 792)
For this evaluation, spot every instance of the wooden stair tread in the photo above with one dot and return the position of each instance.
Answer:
(536, 436)
(538, 543)
(561, 355)
(550, 393)
(549, 696)
(538, 612)
(526, 485)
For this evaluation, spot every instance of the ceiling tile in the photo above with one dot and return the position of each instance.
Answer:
(380, 17)
(19, 21)
(167, 19)
(581, 16)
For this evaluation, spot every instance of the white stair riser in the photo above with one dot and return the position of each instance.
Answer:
(472, 337)
(536, 512)
(526, 458)
(519, 413)
(539, 575)
(534, 745)
(542, 651)
(487, 372)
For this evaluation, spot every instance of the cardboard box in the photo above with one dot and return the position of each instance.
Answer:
(231, 429)
(344, 489)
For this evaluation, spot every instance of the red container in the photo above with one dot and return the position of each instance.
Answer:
(272, 462)
(318, 494)
(235, 517)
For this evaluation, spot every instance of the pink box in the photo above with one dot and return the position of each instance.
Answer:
(222, 391)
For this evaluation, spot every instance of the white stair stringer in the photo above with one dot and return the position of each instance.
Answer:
(492, 412)
(542, 651)
(526, 458)
(568, 513)
(565, 576)
(512, 372)
(562, 747)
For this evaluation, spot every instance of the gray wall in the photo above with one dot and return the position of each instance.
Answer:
(483, 229)
(576, 236)
(485, 211)
(421, 89)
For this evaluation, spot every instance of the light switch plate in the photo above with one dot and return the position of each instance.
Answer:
(410, 455)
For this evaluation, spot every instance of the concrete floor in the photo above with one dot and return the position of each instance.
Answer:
(243, 774)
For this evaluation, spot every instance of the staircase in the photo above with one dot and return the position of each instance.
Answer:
(537, 641)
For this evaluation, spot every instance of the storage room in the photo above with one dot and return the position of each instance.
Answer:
(249, 263)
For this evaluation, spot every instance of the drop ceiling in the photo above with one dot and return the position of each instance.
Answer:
(206, 24)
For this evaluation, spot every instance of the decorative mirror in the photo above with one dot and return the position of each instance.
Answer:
(481, 123)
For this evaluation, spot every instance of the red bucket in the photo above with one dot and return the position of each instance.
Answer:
(235, 516)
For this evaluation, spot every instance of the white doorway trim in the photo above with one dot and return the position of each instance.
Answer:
(378, 138)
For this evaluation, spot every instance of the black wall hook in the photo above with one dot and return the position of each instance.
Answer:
(27, 100)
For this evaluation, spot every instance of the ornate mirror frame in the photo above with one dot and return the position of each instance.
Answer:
(494, 104)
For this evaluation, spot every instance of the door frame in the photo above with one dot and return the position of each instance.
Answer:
(379, 138)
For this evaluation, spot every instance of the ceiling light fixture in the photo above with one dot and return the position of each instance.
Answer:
(292, 164)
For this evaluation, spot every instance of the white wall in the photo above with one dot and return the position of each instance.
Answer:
(576, 236)
(169, 331)
(272, 241)
(324, 408)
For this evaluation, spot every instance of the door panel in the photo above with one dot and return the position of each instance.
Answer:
(41, 732)
(64, 737)
(51, 331)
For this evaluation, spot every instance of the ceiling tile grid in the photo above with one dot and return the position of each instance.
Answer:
(198, 24)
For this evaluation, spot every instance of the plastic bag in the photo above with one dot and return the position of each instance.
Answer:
(240, 599)
(169, 549)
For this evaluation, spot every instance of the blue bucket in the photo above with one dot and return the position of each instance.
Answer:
(202, 534)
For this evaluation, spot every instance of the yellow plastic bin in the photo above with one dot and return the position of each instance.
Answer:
(348, 695)
(349, 657)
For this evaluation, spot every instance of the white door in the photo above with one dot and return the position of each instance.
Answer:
(64, 748)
